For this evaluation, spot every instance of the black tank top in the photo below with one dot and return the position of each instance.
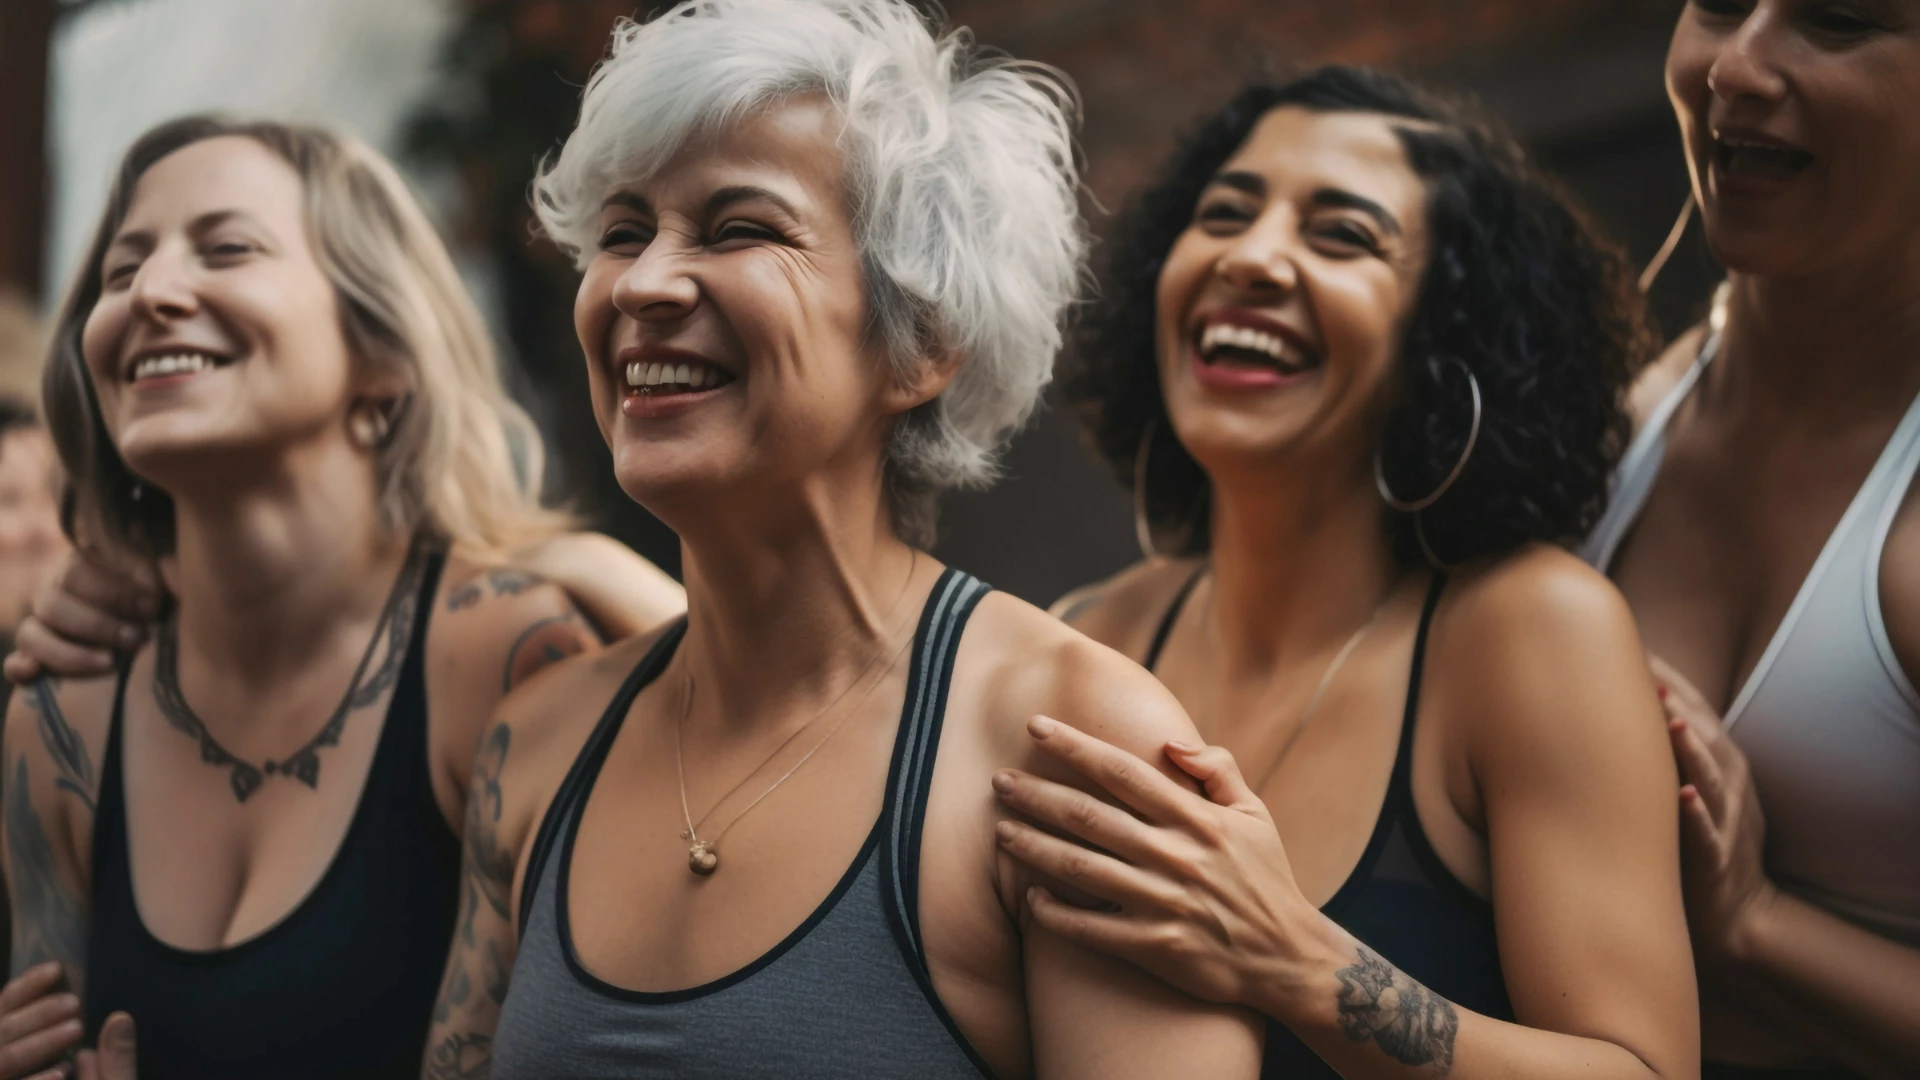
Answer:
(1400, 900)
(845, 996)
(343, 985)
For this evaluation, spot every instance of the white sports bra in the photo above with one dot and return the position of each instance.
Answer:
(1828, 720)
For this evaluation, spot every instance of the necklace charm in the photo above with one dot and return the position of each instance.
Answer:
(702, 859)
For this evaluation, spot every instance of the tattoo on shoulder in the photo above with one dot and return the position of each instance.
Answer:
(546, 641)
(64, 745)
(1411, 1023)
(48, 920)
(503, 581)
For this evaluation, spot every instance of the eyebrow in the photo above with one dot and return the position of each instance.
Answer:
(1254, 184)
(715, 202)
(207, 222)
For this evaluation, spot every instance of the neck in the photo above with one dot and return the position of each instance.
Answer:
(787, 608)
(1823, 350)
(266, 570)
(1299, 560)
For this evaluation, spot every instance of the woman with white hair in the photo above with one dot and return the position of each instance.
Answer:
(825, 259)
(269, 381)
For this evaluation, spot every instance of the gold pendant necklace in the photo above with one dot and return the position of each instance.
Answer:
(703, 856)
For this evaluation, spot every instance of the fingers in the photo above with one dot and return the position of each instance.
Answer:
(35, 1017)
(56, 654)
(1697, 766)
(1073, 811)
(83, 621)
(20, 668)
(41, 1049)
(1100, 875)
(37, 981)
(1099, 931)
(1218, 773)
(1125, 777)
(132, 593)
(1699, 837)
(116, 1059)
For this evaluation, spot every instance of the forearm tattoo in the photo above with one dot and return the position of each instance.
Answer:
(1378, 1002)
(477, 963)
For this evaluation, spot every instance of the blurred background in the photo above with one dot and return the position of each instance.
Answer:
(467, 94)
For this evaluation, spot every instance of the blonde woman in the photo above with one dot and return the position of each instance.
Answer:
(268, 380)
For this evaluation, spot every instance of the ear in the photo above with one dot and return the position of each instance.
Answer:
(930, 378)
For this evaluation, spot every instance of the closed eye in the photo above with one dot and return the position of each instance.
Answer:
(625, 236)
(744, 230)
(1349, 234)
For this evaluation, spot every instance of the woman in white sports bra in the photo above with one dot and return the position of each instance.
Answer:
(1763, 532)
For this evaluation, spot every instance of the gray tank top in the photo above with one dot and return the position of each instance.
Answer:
(846, 994)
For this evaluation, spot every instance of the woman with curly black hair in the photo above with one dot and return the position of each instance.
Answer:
(1364, 368)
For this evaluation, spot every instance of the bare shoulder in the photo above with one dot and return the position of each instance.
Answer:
(1659, 378)
(1122, 611)
(1536, 645)
(1037, 665)
(493, 627)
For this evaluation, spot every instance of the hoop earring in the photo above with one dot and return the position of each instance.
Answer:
(369, 425)
(1473, 438)
(1142, 527)
(1659, 261)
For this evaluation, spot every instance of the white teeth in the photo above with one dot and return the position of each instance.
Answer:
(175, 364)
(642, 375)
(1220, 335)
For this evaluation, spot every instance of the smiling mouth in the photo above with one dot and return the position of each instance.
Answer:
(1226, 344)
(661, 380)
(170, 365)
(1739, 158)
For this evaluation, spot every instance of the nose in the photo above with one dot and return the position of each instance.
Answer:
(1747, 64)
(162, 289)
(1260, 261)
(656, 286)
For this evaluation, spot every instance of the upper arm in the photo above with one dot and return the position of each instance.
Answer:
(1092, 1015)
(51, 785)
(496, 629)
(1570, 756)
(620, 592)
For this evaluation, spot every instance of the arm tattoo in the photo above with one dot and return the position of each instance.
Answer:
(545, 642)
(1414, 1025)
(462, 1057)
(48, 921)
(487, 879)
(64, 745)
(501, 582)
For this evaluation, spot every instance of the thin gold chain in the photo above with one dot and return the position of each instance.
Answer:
(692, 833)
(1326, 681)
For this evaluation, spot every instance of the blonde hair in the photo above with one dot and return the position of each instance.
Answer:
(462, 462)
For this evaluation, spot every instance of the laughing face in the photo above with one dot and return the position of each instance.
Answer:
(217, 336)
(1797, 120)
(724, 319)
(1282, 305)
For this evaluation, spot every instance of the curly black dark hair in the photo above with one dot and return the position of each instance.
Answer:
(1519, 287)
